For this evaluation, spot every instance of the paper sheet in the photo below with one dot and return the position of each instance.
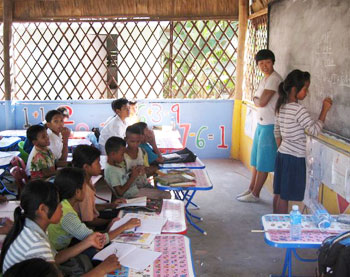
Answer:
(129, 255)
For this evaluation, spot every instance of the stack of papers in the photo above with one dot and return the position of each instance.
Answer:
(172, 156)
(149, 223)
(135, 202)
(177, 180)
(129, 255)
(136, 238)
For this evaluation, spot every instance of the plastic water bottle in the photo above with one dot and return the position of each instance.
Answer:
(321, 217)
(295, 223)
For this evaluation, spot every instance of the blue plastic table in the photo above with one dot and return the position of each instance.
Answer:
(187, 194)
(9, 143)
(277, 234)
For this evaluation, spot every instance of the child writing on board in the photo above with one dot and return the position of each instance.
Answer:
(292, 120)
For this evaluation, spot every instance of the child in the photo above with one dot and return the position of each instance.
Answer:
(148, 143)
(58, 135)
(41, 161)
(292, 120)
(64, 111)
(116, 174)
(28, 239)
(135, 156)
(71, 187)
(117, 125)
(88, 158)
(264, 148)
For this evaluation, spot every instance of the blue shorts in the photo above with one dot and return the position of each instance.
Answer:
(290, 177)
(264, 149)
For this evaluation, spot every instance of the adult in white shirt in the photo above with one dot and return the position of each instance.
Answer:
(264, 148)
(117, 125)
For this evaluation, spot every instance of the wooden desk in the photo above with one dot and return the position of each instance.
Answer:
(187, 194)
(173, 211)
(277, 234)
(175, 261)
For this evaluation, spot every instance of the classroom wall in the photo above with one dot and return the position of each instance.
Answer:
(205, 125)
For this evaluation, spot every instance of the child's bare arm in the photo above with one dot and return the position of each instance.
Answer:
(65, 135)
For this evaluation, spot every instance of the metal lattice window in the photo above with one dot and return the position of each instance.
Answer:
(256, 40)
(2, 83)
(139, 59)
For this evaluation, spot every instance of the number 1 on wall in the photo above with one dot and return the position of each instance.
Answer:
(222, 145)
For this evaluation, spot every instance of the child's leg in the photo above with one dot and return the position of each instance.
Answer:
(154, 193)
(282, 206)
(276, 198)
(260, 181)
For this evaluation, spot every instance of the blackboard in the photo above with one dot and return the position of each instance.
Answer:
(314, 36)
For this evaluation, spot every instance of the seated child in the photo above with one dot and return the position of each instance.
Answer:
(58, 135)
(148, 143)
(28, 238)
(41, 161)
(117, 176)
(71, 188)
(115, 126)
(28, 146)
(88, 158)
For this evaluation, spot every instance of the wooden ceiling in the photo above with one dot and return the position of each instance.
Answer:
(39, 10)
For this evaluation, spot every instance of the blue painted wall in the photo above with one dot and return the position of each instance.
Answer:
(205, 125)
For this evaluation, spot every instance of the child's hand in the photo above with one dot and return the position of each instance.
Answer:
(96, 240)
(134, 172)
(65, 133)
(110, 264)
(117, 202)
(141, 169)
(327, 104)
(134, 222)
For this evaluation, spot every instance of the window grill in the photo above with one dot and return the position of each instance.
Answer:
(256, 40)
(138, 59)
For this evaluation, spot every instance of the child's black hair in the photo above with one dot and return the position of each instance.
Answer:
(68, 181)
(33, 267)
(264, 54)
(119, 103)
(297, 79)
(133, 129)
(33, 131)
(85, 154)
(142, 126)
(51, 114)
(113, 144)
(34, 194)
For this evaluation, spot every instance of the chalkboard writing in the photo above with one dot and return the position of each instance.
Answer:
(314, 36)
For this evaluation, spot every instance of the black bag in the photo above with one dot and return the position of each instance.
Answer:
(334, 256)
(76, 266)
(186, 156)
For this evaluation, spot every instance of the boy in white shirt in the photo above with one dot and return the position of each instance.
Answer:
(58, 135)
(117, 125)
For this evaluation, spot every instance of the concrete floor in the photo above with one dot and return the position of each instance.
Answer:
(230, 249)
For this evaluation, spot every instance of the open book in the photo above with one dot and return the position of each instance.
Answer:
(135, 202)
(152, 224)
(177, 180)
(129, 255)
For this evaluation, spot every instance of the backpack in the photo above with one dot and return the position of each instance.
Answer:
(334, 256)
(186, 156)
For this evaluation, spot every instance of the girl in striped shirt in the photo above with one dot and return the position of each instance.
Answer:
(291, 121)
(28, 237)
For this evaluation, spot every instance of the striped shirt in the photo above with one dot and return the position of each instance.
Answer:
(32, 242)
(291, 123)
(70, 226)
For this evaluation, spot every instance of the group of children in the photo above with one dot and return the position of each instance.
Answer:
(58, 220)
(279, 143)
